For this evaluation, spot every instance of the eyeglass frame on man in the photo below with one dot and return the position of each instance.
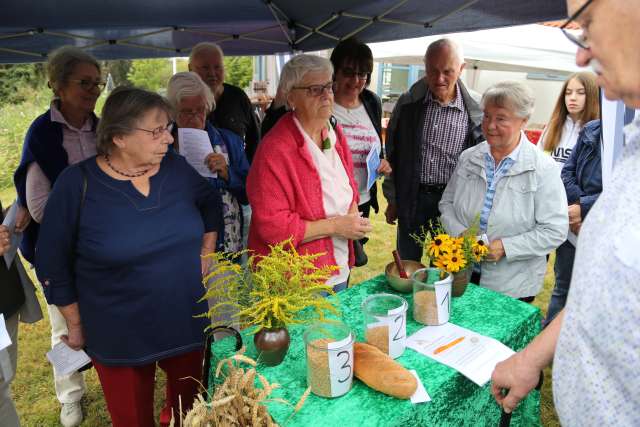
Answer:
(193, 113)
(579, 40)
(89, 84)
(316, 90)
(157, 132)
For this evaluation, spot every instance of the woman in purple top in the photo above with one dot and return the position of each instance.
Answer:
(119, 254)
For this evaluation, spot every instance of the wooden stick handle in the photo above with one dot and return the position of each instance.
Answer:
(401, 271)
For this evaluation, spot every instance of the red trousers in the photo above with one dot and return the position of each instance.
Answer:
(129, 390)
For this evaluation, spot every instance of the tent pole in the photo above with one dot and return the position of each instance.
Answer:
(11, 36)
(318, 28)
(22, 52)
(274, 11)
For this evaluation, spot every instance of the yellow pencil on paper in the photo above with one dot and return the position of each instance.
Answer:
(448, 346)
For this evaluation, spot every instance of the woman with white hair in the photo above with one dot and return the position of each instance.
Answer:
(64, 135)
(516, 192)
(193, 101)
(301, 184)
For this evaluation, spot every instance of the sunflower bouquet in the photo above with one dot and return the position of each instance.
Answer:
(453, 254)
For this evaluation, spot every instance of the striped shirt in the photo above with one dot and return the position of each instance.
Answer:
(444, 133)
(494, 174)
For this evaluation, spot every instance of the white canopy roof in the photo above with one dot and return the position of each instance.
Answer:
(522, 48)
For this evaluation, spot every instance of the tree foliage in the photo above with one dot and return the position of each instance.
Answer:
(19, 81)
(154, 74)
(239, 70)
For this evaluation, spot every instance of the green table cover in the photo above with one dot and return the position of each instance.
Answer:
(455, 400)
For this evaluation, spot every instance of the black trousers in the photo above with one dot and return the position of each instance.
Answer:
(427, 213)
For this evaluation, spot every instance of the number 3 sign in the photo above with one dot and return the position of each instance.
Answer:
(341, 365)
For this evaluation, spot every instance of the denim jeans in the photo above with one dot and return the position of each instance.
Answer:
(426, 211)
(563, 268)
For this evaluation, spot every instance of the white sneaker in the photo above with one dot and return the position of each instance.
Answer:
(71, 414)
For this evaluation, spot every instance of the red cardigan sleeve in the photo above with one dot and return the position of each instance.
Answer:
(272, 195)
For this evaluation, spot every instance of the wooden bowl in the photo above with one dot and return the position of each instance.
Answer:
(394, 279)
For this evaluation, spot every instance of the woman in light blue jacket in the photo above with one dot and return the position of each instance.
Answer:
(515, 190)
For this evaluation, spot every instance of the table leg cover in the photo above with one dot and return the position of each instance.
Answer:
(456, 401)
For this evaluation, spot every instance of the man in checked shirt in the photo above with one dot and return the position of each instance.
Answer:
(431, 125)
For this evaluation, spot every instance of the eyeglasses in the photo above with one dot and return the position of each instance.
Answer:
(350, 72)
(192, 113)
(316, 90)
(207, 68)
(157, 132)
(579, 39)
(89, 84)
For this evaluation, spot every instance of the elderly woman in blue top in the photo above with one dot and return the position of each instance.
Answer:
(193, 101)
(515, 190)
(119, 253)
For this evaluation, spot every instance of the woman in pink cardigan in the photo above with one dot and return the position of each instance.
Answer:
(301, 184)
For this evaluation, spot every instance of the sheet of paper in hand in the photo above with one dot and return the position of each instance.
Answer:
(195, 146)
(373, 162)
(473, 355)
(66, 360)
(5, 339)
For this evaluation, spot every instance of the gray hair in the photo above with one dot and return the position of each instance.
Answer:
(122, 110)
(61, 63)
(188, 83)
(445, 43)
(205, 47)
(294, 71)
(513, 96)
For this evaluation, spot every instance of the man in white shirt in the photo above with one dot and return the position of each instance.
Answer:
(595, 342)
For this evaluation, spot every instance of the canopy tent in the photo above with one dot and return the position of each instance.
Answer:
(523, 48)
(118, 29)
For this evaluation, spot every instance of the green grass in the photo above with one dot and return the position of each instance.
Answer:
(33, 387)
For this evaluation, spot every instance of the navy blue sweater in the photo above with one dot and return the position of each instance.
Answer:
(134, 269)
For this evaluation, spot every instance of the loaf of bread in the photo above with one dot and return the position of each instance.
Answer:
(381, 372)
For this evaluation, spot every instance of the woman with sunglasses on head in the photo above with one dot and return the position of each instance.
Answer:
(65, 134)
(119, 254)
(301, 184)
(359, 111)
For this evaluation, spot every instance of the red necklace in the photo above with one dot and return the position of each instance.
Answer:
(128, 175)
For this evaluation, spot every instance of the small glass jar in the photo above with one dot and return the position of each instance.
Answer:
(329, 348)
(385, 320)
(431, 296)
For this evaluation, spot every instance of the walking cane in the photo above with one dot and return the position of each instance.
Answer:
(505, 419)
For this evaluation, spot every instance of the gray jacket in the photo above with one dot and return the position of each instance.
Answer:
(30, 312)
(529, 214)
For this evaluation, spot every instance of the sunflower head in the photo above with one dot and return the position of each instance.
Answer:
(439, 263)
(457, 242)
(479, 250)
(439, 244)
(454, 262)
